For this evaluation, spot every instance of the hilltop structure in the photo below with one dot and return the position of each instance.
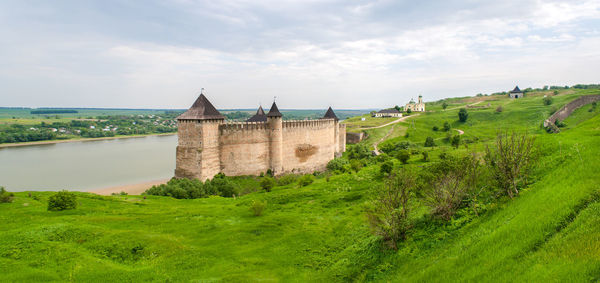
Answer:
(393, 112)
(415, 107)
(209, 145)
(516, 93)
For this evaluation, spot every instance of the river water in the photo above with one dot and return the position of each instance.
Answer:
(87, 165)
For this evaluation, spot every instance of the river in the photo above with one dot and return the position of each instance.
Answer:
(87, 165)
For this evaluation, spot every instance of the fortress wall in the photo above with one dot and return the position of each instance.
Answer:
(566, 110)
(244, 148)
(308, 145)
(342, 139)
(197, 140)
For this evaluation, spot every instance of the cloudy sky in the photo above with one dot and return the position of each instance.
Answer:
(310, 54)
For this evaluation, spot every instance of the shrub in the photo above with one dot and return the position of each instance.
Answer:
(386, 167)
(408, 111)
(222, 186)
(182, 189)
(269, 172)
(257, 207)
(444, 105)
(548, 100)
(446, 126)
(338, 165)
(406, 135)
(509, 161)
(429, 142)
(403, 156)
(356, 165)
(555, 92)
(499, 109)
(425, 156)
(6, 197)
(306, 180)
(463, 115)
(560, 124)
(267, 183)
(456, 141)
(435, 128)
(62, 200)
(359, 151)
(593, 108)
(389, 215)
(286, 179)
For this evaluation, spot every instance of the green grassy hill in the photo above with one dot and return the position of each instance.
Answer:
(319, 232)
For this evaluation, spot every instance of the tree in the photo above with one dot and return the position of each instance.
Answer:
(403, 156)
(446, 126)
(408, 111)
(548, 100)
(398, 108)
(463, 115)
(509, 161)
(6, 197)
(429, 142)
(389, 215)
(435, 128)
(444, 105)
(456, 141)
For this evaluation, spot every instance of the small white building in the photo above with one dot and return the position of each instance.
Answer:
(388, 113)
(516, 93)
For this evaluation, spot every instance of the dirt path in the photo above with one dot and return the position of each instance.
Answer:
(460, 132)
(376, 150)
(390, 123)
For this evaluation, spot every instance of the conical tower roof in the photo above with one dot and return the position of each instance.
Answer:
(274, 111)
(516, 89)
(202, 109)
(330, 115)
(259, 116)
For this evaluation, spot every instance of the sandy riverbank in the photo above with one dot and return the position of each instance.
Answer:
(80, 140)
(133, 189)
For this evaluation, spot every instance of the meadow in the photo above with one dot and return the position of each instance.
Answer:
(319, 232)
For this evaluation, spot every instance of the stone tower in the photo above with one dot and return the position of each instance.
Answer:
(198, 147)
(336, 138)
(275, 127)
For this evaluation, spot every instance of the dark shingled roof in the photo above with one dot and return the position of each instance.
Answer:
(202, 109)
(259, 117)
(515, 90)
(393, 110)
(330, 115)
(274, 111)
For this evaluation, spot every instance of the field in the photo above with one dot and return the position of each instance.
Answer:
(320, 232)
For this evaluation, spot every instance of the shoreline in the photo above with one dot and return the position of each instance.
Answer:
(80, 140)
(131, 189)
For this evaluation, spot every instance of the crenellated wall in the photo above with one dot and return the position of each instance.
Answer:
(249, 148)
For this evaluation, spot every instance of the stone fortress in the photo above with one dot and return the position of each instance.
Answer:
(209, 145)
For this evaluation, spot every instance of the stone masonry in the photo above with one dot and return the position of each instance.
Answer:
(209, 145)
(566, 110)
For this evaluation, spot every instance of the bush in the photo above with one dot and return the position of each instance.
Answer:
(257, 207)
(403, 156)
(267, 183)
(435, 128)
(359, 151)
(269, 172)
(499, 109)
(356, 165)
(338, 165)
(548, 100)
(386, 167)
(509, 161)
(62, 200)
(181, 189)
(446, 126)
(389, 215)
(221, 186)
(593, 108)
(306, 180)
(6, 197)
(463, 115)
(444, 105)
(425, 156)
(286, 179)
(429, 142)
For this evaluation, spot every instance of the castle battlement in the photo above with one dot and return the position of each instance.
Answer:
(208, 144)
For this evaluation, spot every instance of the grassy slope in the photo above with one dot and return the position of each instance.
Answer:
(319, 232)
